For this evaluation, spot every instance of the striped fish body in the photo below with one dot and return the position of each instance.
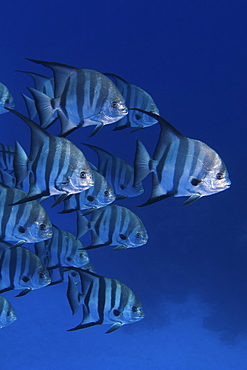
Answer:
(7, 158)
(134, 96)
(180, 166)
(22, 223)
(113, 225)
(99, 195)
(104, 301)
(6, 99)
(7, 313)
(55, 166)
(82, 97)
(118, 173)
(21, 269)
(62, 249)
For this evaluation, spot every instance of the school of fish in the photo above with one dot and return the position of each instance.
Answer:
(56, 167)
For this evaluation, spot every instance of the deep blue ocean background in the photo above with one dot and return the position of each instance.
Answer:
(191, 277)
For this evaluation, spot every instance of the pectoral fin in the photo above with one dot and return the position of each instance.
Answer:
(192, 199)
(114, 327)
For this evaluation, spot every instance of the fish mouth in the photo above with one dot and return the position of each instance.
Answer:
(48, 234)
(47, 281)
(124, 110)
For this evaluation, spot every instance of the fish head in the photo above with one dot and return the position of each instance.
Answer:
(101, 194)
(137, 236)
(6, 99)
(36, 227)
(10, 316)
(37, 277)
(74, 182)
(114, 108)
(130, 310)
(76, 175)
(214, 180)
(7, 316)
(79, 259)
(105, 196)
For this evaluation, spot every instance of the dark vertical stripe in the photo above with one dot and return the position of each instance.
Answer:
(162, 162)
(113, 292)
(101, 299)
(13, 273)
(6, 218)
(180, 162)
(80, 94)
(51, 162)
(88, 297)
(63, 97)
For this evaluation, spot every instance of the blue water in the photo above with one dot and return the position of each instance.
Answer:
(191, 277)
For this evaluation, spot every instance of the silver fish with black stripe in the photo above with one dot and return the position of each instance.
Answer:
(104, 301)
(22, 223)
(180, 166)
(21, 269)
(113, 225)
(82, 97)
(99, 195)
(62, 249)
(55, 166)
(134, 96)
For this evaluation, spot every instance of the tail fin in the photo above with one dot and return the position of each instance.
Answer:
(44, 107)
(82, 225)
(142, 163)
(73, 295)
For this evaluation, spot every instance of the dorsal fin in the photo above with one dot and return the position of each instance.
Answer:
(61, 72)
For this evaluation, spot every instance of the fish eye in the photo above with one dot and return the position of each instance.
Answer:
(7, 101)
(138, 235)
(8, 313)
(116, 312)
(106, 193)
(42, 227)
(21, 229)
(195, 182)
(69, 259)
(219, 176)
(73, 274)
(83, 174)
(81, 255)
(114, 104)
(41, 275)
(134, 309)
(138, 116)
(90, 198)
(25, 279)
(123, 237)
